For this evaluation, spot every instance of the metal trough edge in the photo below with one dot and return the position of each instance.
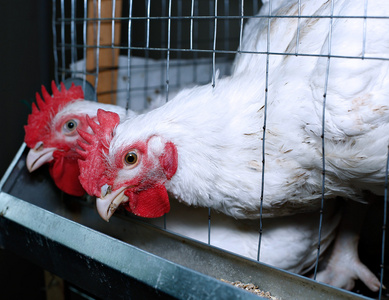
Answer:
(45, 232)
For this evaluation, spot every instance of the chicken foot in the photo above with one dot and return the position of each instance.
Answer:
(344, 265)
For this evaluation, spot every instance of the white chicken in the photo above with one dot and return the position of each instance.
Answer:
(205, 146)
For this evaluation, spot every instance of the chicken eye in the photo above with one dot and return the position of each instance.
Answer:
(70, 126)
(131, 158)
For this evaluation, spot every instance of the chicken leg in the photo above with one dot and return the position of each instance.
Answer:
(344, 265)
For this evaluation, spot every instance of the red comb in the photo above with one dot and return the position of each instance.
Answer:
(42, 113)
(92, 163)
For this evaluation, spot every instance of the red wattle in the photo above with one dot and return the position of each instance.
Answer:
(65, 172)
(152, 202)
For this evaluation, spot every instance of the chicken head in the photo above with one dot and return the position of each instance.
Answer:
(51, 136)
(133, 176)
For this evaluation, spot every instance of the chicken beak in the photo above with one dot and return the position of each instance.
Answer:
(38, 156)
(107, 204)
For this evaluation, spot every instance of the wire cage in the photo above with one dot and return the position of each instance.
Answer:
(138, 55)
(137, 51)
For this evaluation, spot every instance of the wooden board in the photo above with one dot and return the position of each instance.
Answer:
(105, 59)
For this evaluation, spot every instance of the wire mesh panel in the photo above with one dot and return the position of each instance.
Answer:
(140, 54)
(145, 49)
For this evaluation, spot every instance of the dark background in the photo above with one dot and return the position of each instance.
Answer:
(25, 64)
